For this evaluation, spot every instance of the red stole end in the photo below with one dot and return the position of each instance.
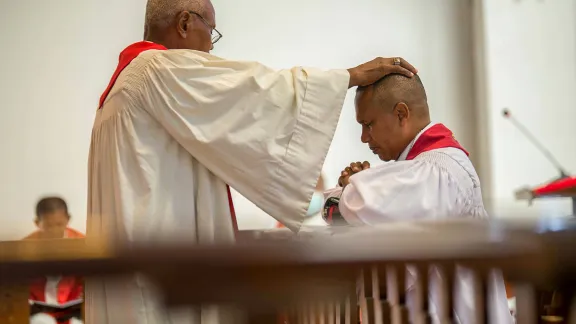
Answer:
(126, 57)
(435, 137)
(68, 289)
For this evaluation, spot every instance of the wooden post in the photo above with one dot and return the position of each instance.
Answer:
(14, 307)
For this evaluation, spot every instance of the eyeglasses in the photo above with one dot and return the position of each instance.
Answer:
(215, 34)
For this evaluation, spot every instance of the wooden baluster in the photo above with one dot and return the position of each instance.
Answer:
(331, 310)
(361, 293)
(344, 310)
(418, 306)
(288, 315)
(321, 312)
(310, 312)
(338, 312)
(347, 308)
(302, 316)
(295, 318)
(351, 309)
(312, 315)
(571, 302)
(354, 307)
(383, 295)
(480, 297)
(397, 289)
(421, 287)
(350, 306)
(376, 295)
(367, 296)
(316, 316)
(526, 304)
(446, 307)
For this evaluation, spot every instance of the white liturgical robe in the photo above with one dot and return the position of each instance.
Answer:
(435, 184)
(178, 126)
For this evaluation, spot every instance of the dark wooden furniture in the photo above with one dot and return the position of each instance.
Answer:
(325, 277)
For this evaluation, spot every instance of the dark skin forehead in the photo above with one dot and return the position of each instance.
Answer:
(365, 103)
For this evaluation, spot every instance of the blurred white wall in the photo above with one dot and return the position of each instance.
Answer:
(58, 56)
(530, 61)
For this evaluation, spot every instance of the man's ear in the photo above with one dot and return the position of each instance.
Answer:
(402, 112)
(37, 222)
(184, 21)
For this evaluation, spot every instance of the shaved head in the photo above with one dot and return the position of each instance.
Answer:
(180, 24)
(392, 112)
(395, 88)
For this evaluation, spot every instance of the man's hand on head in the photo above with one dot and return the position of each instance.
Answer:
(370, 72)
(350, 170)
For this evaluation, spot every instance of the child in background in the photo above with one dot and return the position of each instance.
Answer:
(59, 298)
(52, 220)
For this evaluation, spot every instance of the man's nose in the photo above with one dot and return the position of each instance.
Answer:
(365, 137)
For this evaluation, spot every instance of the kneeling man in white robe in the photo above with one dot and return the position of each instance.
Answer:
(431, 178)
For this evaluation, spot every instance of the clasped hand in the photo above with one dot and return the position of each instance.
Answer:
(354, 168)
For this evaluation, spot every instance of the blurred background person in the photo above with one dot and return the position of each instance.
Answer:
(52, 220)
(56, 298)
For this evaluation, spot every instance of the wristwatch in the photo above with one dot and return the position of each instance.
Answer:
(331, 212)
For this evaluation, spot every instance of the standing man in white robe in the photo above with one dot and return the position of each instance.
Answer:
(431, 178)
(177, 125)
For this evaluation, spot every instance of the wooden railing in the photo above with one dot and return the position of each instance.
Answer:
(14, 306)
(323, 277)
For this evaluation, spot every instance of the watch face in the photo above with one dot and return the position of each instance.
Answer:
(330, 212)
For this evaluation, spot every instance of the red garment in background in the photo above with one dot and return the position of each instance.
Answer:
(57, 293)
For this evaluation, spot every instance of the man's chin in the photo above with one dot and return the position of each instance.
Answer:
(384, 158)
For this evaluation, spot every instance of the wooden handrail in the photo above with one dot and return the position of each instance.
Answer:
(321, 266)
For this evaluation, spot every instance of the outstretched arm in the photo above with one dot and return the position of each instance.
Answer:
(264, 132)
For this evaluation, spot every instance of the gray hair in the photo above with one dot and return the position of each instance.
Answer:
(160, 13)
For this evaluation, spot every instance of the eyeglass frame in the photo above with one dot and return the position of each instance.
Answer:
(218, 34)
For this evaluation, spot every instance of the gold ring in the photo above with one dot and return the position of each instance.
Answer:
(397, 61)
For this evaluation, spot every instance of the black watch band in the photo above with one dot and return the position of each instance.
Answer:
(331, 212)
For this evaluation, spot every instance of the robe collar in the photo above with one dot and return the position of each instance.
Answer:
(409, 147)
(433, 136)
(126, 57)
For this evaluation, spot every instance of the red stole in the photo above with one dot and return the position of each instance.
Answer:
(69, 289)
(126, 56)
(435, 137)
